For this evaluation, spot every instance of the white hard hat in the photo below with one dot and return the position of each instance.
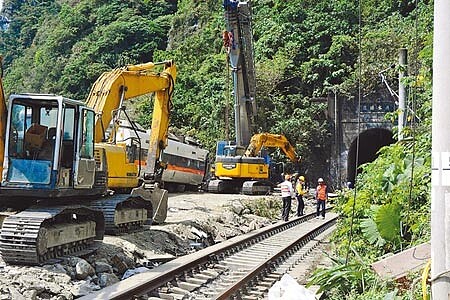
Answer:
(320, 180)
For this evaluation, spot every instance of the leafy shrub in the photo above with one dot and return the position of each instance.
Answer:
(267, 207)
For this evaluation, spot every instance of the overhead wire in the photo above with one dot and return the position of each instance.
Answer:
(355, 188)
(227, 98)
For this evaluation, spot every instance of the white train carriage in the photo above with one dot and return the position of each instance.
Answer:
(186, 162)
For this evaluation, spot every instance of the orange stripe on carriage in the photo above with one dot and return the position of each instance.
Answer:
(184, 169)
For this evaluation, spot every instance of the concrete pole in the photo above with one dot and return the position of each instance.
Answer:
(402, 61)
(440, 191)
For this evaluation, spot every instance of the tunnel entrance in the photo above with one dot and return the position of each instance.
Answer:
(370, 141)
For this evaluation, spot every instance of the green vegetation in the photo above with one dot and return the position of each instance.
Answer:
(304, 50)
(265, 207)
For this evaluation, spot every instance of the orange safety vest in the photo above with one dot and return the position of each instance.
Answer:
(322, 192)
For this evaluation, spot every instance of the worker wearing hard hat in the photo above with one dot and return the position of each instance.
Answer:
(300, 191)
(287, 192)
(321, 197)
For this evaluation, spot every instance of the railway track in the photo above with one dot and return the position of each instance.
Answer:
(243, 267)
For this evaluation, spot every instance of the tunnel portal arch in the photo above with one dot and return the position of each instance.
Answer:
(370, 141)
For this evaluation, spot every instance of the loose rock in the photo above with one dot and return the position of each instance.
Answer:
(101, 267)
(83, 269)
(107, 279)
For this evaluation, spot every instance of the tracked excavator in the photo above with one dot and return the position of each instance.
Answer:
(59, 176)
(107, 98)
(238, 166)
(248, 172)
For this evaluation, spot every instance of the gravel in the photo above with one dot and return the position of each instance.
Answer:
(194, 221)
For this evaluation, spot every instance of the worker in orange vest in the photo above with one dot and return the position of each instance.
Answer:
(321, 197)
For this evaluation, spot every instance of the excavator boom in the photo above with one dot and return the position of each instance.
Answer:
(112, 88)
(269, 140)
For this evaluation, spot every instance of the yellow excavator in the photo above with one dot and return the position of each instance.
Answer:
(107, 98)
(248, 172)
(56, 194)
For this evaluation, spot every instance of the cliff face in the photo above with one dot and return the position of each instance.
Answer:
(63, 46)
(302, 49)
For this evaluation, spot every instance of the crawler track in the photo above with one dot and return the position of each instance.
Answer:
(114, 206)
(243, 267)
(34, 235)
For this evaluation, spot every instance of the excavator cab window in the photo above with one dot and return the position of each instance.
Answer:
(84, 174)
(19, 123)
(29, 138)
(87, 135)
(233, 150)
(31, 148)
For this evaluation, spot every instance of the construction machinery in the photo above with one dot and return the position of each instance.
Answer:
(107, 98)
(237, 165)
(57, 184)
(245, 170)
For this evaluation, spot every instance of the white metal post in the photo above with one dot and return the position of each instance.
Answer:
(440, 192)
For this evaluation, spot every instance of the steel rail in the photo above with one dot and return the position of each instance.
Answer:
(271, 261)
(144, 283)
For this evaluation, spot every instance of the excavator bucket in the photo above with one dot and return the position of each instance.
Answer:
(158, 198)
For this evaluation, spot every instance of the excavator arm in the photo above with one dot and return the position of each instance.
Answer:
(271, 141)
(112, 88)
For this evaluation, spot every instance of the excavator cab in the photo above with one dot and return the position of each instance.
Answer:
(49, 149)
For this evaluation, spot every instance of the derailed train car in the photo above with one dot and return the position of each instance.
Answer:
(186, 162)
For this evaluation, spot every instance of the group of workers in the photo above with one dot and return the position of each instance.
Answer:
(294, 186)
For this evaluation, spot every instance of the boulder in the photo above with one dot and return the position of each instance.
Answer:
(83, 269)
(253, 225)
(237, 207)
(106, 279)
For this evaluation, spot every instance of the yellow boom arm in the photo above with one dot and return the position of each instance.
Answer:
(112, 88)
(271, 141)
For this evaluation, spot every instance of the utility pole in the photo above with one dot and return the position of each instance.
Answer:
(440, 191)
(337, 130)
(402, 61)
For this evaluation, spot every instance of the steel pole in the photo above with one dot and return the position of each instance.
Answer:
(440, 191)
(402, 60)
